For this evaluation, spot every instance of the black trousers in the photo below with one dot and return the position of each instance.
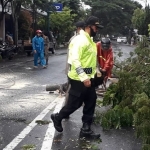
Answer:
(78, 94)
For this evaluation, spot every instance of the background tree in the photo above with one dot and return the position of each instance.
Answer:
(149, 29)
(3, 4)
(141, 19)
(16, 8)
(24, 25)
(138, 19)
(147, 19)
(35, 5)
(63, 23)
(75, 7)
(114, 15)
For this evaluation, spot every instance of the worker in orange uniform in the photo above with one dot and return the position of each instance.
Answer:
(105, 57)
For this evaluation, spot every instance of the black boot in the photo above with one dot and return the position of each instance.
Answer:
(67, 117)
(57, 122)
(87, 132)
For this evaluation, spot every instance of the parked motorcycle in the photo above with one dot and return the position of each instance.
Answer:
(7, 51)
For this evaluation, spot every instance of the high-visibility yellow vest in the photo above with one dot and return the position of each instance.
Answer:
(82, 57)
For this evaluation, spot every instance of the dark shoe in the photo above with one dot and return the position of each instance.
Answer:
(67, 117)
(87, 132)
(57, 122)
(86, 128)
(91, 135)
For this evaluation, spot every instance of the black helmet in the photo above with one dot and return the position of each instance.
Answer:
(80, 24)
(105, 42)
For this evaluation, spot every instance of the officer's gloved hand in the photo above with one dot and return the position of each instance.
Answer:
(98, 80)
(103, 72)
(87, 83)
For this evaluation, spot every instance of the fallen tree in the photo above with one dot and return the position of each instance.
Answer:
(61, 88)
(130, 97)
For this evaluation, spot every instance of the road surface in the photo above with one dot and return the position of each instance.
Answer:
(25, 109)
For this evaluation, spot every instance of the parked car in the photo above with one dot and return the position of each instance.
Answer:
(121, 40)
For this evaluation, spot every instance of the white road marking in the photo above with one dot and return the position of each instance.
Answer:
(48, 140)
(28, 129)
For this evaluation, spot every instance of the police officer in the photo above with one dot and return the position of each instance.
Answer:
(82, 60)
(79, 27)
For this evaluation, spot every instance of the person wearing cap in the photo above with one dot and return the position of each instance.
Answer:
(83, 61)
(105, 57)
(38, 49)
(79, 27)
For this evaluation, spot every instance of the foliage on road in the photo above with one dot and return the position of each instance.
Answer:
(42, 122)
(130, 97)
(29, 147)
(114, 15)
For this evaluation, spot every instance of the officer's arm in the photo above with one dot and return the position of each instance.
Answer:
(77, 50)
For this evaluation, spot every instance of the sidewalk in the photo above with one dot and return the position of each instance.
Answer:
(23, 58)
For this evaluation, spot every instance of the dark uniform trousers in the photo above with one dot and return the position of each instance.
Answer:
(79, 94)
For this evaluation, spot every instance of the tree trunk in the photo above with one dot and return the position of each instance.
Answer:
(61, 87)
(16, 31)
(2, 25)
(34, 18)
(16, 7)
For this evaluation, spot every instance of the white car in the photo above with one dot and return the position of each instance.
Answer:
(122, 40)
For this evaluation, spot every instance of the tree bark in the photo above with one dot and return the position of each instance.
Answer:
(61, 87)
(16, 31)
(16, 7)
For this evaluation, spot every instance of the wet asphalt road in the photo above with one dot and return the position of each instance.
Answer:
(23, 97)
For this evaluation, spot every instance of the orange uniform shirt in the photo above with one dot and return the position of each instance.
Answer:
(105, 59)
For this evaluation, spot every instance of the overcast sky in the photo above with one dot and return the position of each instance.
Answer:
(143, 2)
